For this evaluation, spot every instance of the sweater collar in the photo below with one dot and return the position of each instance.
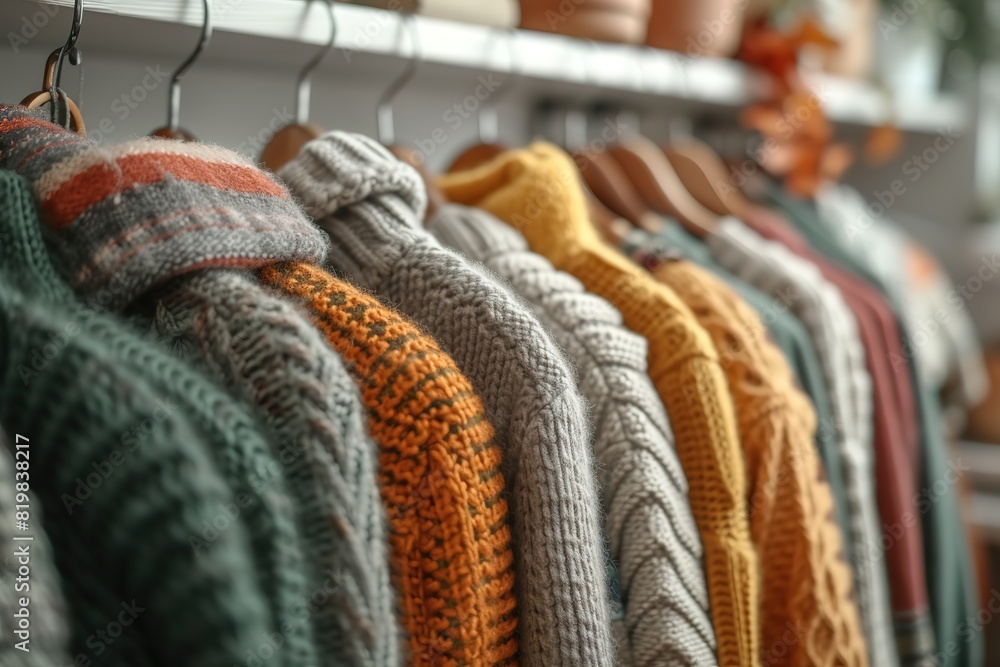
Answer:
(123, 219)
(537, 191)
(368, 202)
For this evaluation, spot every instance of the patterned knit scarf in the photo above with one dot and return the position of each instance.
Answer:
(129, 217)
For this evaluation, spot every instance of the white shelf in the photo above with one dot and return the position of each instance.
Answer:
(630, 71)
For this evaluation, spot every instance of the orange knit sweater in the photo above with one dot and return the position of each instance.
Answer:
(808, 616)
(439, 472)
(538, 191)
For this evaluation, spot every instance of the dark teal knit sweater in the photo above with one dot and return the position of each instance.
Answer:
(163, 527)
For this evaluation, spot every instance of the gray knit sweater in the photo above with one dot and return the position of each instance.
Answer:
(651, 529)
(158, 240)
(370, 204)
(47, 609)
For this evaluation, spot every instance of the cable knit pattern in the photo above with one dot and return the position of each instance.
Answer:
(47, 609)
(121, 540)
(213, 211)
(371, 205)
(440, 475)
(776, 270)
(806, 584)
(538, 191)
(651, 530)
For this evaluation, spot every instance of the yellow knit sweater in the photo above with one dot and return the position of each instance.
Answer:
(538, 191)
(808, 616)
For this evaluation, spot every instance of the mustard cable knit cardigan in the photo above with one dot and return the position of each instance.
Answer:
(538, 191)
(807, 585)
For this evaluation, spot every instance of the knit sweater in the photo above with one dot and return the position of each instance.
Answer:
(805, 582)
(371, 205)
(235, 441)
(538, 191)
(46, 607)
(822, 310)
(189, 213)
(124, 482)
(652, 533)
(440, 474)
(787, 331)
(950, 579)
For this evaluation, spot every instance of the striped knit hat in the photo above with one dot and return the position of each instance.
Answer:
(165, 208)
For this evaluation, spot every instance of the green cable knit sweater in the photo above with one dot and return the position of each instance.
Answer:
(130, 457)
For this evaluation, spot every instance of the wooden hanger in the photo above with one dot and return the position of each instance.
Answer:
(44, 96)
(652, 175)
(52, 78)
(172, 129)
(287, 142)
(705, 176)
(608, 183)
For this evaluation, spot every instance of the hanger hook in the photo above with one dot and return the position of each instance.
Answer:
(489, 118)
(305, 76)
(69, 48)
(174, 102)
(384, 113)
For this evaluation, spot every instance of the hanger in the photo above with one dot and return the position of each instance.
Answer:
(488, 123)
(385, 123)
(64, 110)
(172, 129)
(609, 183)
(611, 225)
(656, 181)
(285, 145)
(705, 176)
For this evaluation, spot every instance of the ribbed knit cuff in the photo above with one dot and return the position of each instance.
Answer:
(369, 202)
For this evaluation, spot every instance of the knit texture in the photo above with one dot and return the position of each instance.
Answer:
(806, 583)
(651, 530)
(538, 191)
(236, 443)
(254, 344)
(371, 205)
(774, 268)
(948, 579)
(124, 483)
(783, 327)
(439, 470)
(46, 608)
